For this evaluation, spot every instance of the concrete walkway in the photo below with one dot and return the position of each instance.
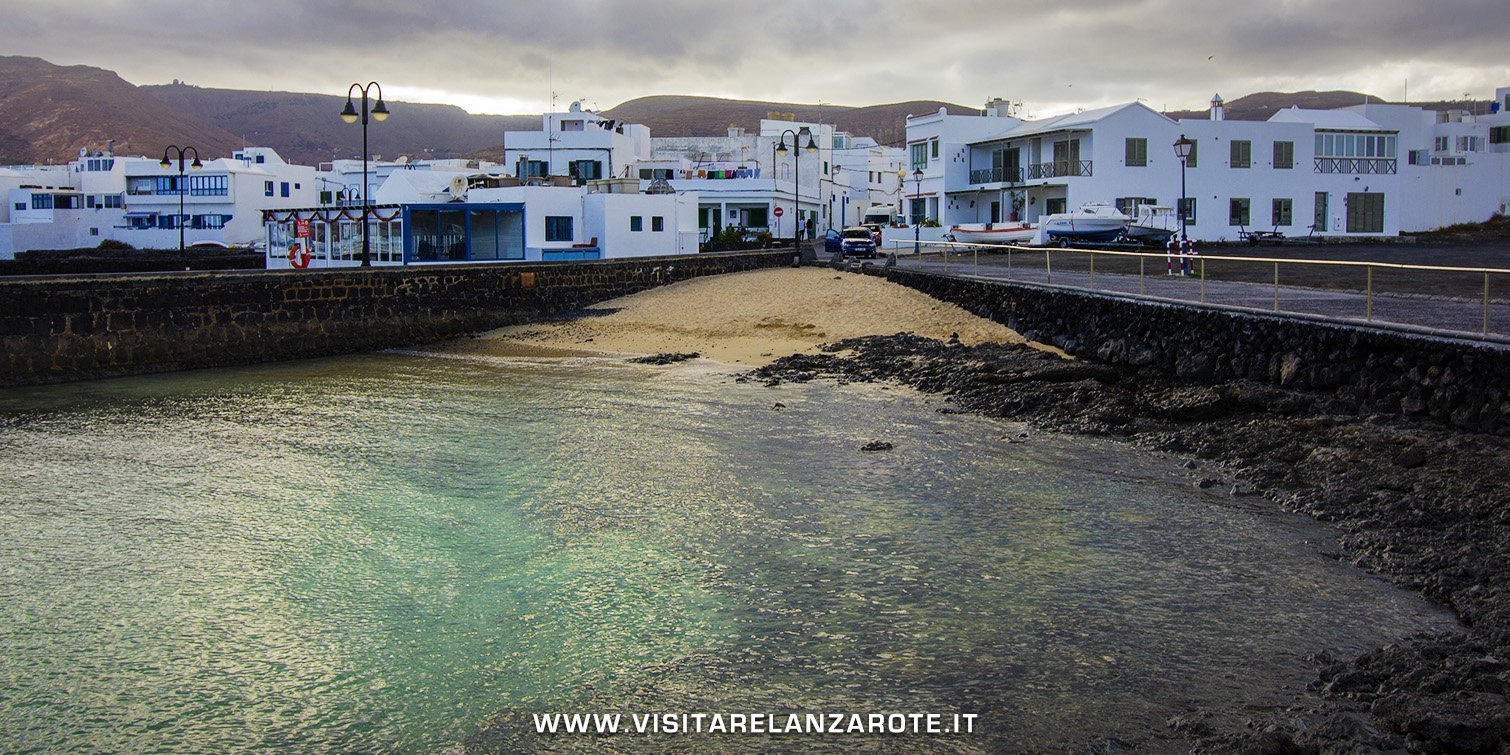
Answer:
(1461, 316)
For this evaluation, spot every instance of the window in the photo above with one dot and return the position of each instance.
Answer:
(97, 164)
(114, 201)
(1439, 144)
(267, 188)
(1242, 153)
(585, 170)
(1137, 152)
(1188, 207)
(1055, 206)
(919, 153)
(1190, 161)
(209, 186)
(1419, 157)
(1284, 155)
(1470, 144)
(1499, 135)
(20, 206)
(283, 189)
(41, 201)
(636, 223)
(68, 202)
(657, 223)
(167, 185)
(1283, 211)
(1238, 212)
(935, 149)
(532, 169)
(261, 159)
(558, 228)
(90, 201)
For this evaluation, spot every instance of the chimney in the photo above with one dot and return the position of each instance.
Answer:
(1218, 111)
(110, 148)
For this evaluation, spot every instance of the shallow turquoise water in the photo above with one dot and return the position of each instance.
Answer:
(401, 553)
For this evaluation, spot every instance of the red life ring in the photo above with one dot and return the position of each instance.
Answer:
(298, 257)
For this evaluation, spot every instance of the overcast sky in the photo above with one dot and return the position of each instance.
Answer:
(501, 56)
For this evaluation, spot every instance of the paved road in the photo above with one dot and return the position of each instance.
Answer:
(1459, 314)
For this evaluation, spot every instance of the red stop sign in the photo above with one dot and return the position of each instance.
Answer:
(778, 212)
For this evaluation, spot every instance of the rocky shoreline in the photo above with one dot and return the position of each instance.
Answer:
(1424, 504)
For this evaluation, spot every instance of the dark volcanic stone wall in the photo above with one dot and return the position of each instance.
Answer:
(62, 329)
(1460, 383)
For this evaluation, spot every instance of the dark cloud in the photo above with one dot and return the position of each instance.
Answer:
(1052, 56)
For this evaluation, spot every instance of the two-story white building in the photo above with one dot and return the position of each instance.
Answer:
(579, 144)
(137, 201)
(1373, 170)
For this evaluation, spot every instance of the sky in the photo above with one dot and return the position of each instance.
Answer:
(508, 56)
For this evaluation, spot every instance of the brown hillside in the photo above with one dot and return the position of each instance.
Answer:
(1260, 106)
(307, 128)
(674, 115)
(48, 113)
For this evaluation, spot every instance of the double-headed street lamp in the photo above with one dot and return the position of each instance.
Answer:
(1182, 147)
(917, 223)
(378, 112)
(183, 187)
(780, 149)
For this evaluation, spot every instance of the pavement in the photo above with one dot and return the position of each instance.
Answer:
(1460, 315)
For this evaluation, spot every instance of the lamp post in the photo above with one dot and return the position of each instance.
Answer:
(1182, 150)
(378, 112)
(917, 227)
(182, 186)
(796, 177)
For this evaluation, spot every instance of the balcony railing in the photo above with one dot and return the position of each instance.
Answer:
(996, 175)
(1060, 169)
(1057, 169)
(1363, 165)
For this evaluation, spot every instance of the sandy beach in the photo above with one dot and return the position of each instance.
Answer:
(748, 319)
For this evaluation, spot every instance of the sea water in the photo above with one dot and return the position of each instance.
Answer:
(401, 552)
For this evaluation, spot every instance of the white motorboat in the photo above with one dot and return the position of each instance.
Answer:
(1154, 225)
(1094, 222)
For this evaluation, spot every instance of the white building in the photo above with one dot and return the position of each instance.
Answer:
(136, 201)
(1374, 170)
(579, 144)
(484, 218)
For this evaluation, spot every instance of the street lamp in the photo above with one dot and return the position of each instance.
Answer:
(182, 188)
(1182, 148)
(378, 112)
(796, 176)
(917, 227)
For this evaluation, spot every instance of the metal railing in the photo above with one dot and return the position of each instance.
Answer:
(1363, 165)
(996, 175)
(1060, 169)
(1195, 266)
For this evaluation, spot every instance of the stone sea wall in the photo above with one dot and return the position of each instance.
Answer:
(1460, 383)
(58, 329)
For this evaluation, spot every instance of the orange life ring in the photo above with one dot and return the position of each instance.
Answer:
(298, 257)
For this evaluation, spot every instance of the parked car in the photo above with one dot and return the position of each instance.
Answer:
(857, 242)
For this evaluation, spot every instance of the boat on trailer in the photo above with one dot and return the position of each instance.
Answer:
(1093, 223)
(993, 233)
(1154, 225)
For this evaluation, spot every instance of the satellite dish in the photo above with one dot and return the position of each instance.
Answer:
(576, 106)
(458, 187)
(402, 160)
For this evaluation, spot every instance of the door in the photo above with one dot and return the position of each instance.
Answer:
(1321, 213)
(996, 212)
(1365, 212)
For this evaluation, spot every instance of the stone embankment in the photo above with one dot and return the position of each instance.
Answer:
(58, 329)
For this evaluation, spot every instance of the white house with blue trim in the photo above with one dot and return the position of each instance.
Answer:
(482, 218)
